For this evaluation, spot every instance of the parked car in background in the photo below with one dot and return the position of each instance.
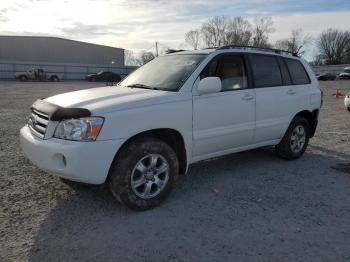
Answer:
(37, 74)
(326, 77)
(345, 74)
(105, 76)
(347, 101)
(178, 109)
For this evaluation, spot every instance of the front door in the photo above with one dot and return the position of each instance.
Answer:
(226, 120)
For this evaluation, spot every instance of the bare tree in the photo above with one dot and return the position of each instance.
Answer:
(317, 61)
(192, 38)
(146, 57)
(296, 43)
(262, 27)
(238, 32)
(222, 30)
(213, 31)
(334, 46)
(137, 60)
(347, 55)
(131, 59)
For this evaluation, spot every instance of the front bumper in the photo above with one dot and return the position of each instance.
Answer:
(87, 162)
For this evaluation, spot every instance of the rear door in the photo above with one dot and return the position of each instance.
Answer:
(300, 86)
(275, 98)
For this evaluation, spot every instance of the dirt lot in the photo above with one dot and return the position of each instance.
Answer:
(267, 209)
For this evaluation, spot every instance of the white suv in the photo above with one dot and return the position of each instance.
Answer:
(175, 110)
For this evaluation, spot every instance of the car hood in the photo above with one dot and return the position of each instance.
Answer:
(108, 99)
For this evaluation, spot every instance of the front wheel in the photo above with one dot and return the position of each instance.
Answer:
(295, 140)
(143, 173)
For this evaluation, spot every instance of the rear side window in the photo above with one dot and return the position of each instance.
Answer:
(297, 72)
(285, 73)
(266, 71)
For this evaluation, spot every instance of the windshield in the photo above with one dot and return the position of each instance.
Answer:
(347, 71)
(165, 72)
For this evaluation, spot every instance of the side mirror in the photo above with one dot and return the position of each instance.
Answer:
(209, 85)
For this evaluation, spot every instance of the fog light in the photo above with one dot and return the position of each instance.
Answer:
(60, 161)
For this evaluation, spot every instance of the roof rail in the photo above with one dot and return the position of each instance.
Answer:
(265, 49)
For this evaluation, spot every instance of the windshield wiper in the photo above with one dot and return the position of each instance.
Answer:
(142, 86)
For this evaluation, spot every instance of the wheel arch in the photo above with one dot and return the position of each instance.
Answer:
(169, 136)
(22, 75)
(311, 117)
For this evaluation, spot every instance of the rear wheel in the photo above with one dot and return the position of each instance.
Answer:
(54, 79)
(295, 140)
(23, 78)
(143, 174)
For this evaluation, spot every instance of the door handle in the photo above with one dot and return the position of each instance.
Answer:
(291, 92)
(247, 97)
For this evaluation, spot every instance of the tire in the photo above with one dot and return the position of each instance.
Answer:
(127, 166)
(348, 109)
(290, 148)
(54, 79)
(23, 78)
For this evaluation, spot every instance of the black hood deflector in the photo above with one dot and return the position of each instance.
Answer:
(58, 113)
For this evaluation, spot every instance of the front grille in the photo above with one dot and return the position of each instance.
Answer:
(38, 122)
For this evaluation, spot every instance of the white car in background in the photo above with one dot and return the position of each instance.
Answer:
(178, 109)
(345, 74)
(347, 101)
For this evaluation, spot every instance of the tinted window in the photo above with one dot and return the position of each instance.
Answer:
(297, 72)
(284, 71)
(230, 69)
(266, 71)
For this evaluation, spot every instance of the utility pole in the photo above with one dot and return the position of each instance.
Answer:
(156, 48)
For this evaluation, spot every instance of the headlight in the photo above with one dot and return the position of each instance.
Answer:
(82, 129)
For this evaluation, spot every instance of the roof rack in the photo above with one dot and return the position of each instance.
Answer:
(264, 49)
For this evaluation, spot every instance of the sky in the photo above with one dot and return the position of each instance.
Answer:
(137, 24)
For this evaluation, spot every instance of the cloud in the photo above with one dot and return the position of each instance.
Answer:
(80, 29)
(138, 24)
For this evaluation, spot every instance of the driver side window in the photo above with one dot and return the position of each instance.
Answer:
(230, 69)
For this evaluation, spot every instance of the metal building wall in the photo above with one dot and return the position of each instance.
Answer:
(57, 50)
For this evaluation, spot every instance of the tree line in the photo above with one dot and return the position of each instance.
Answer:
(332, 46)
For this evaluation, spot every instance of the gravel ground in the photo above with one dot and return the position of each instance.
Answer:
(268, 209)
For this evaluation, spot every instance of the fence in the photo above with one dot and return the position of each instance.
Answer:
(65, 71)
(334, 69)
(79, 71)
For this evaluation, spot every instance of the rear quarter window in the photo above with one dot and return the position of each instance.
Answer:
(266, 71)
(297, 72)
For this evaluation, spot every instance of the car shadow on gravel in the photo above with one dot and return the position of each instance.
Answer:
(264, 208)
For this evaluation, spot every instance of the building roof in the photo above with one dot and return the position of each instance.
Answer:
(57, 50)
(55, 37)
